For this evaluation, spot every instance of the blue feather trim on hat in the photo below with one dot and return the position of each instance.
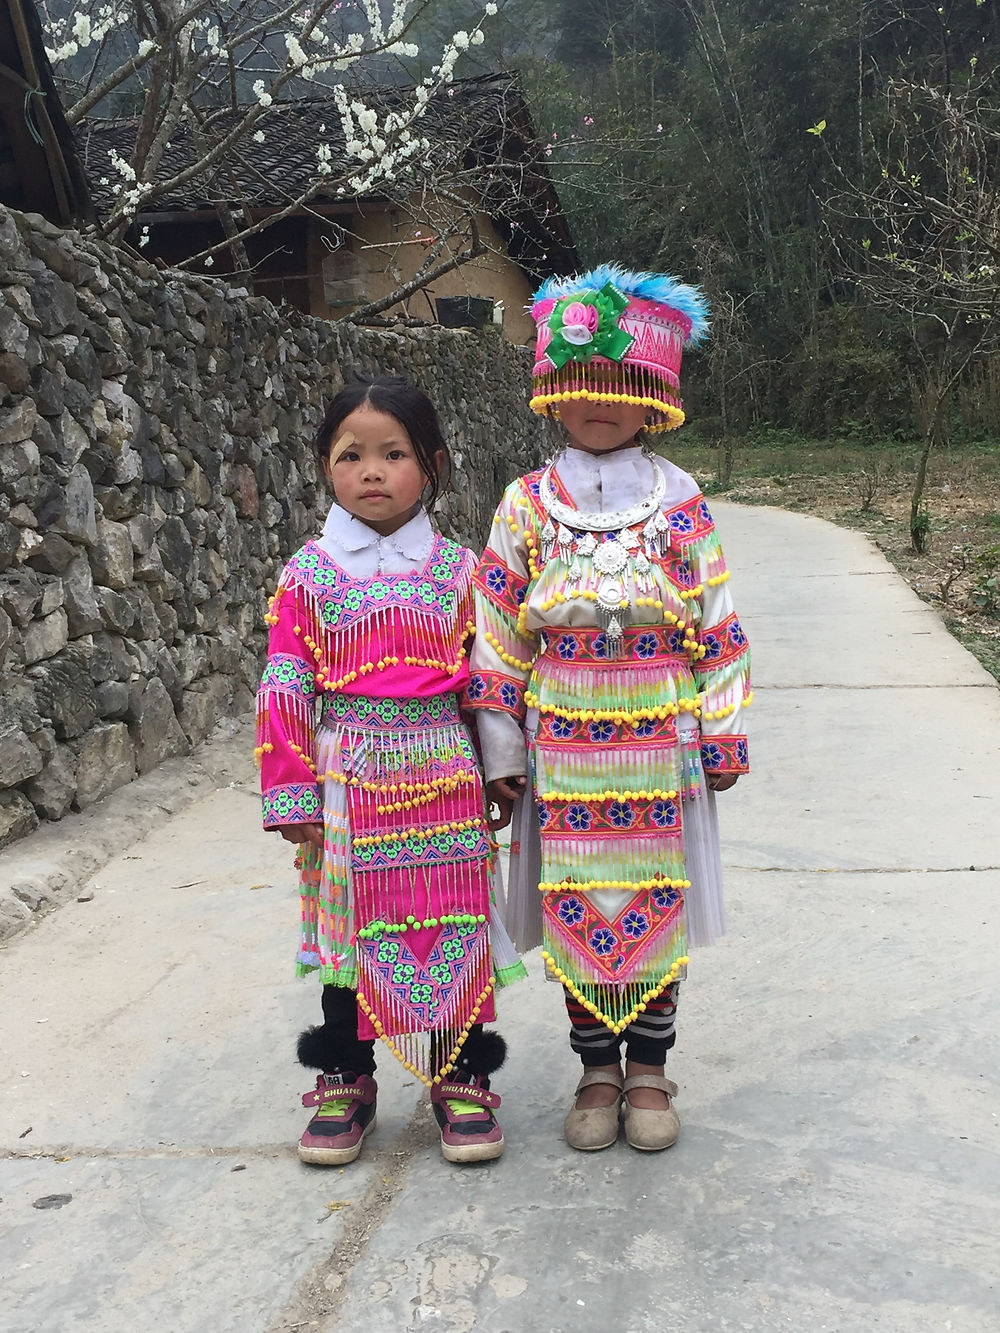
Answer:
(661, 287)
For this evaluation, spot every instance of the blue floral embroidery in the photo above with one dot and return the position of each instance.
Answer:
(621, 814)
(562, 728)
(600, 732)
(681, 521)
(736, 634)
(602, 941)
(711, 755)
(676, 641)
(566, 647)
(705, 512)
(496, 580)
(684, 574)
(476, 687)
(634, 924)
(544, 814)
(570, 911)
(712, 645)
(663, 898)
(579, 818)
(645, 728)
(600, 646)
(663, 814)
(508, 695)
(742, 754)
(645, 646)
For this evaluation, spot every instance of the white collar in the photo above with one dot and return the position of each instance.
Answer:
(596, 462)
(344, 535)
(603, 483)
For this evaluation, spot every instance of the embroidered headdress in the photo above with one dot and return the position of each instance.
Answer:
(609, 334)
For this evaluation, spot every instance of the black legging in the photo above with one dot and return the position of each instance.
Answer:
(647, 1038)
(336, 1048)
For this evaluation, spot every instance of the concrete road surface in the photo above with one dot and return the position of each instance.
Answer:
(838, 1053)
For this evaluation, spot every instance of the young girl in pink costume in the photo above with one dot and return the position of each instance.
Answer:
(367, 765)
(612, 672)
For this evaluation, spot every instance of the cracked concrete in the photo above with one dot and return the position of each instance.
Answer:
(839, 1164)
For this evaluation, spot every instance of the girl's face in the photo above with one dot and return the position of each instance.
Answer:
(374, 470)
(599, 428)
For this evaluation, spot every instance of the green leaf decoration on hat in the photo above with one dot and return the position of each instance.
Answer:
(591, 329)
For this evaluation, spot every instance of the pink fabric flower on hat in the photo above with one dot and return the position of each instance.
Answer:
(579, 323)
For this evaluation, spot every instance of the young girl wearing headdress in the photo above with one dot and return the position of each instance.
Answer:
(367, 765)
(611, 672)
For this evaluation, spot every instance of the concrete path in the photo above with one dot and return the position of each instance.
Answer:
(839, 1167)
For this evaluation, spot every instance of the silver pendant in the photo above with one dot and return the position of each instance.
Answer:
(611, 614)
(548, 540)
(611, 557)
(643, 569)
(564, 542)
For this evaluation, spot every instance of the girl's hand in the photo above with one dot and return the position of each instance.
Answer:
(312, 833)
(721, 781)
(503, 793)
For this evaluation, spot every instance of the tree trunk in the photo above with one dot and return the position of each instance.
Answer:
(919, 523)
(727, 459)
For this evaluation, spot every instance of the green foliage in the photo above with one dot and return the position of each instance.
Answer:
(920, 530)
(702, 138)
(984, 595)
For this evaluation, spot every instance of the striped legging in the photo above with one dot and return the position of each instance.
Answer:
(647, 1038)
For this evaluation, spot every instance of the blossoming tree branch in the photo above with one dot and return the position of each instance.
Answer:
(215, 68)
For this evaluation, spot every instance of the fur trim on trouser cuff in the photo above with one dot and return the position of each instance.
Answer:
(483, 1053)
(324, 1048)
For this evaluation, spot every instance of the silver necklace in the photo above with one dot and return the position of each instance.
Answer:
(623, 555)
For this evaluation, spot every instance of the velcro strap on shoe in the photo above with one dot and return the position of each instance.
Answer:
(595, 1076)
(666, 1085)
(468, 1092)
(334, 1093)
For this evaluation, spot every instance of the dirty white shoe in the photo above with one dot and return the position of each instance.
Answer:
(595, 1127)
(651, 1131)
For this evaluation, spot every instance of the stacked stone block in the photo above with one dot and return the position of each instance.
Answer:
(156, 469)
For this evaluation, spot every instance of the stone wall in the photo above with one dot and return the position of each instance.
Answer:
(156, 468)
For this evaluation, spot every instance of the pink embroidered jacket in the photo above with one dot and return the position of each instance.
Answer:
(340, 644)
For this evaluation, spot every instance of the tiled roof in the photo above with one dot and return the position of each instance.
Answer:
(477, 125)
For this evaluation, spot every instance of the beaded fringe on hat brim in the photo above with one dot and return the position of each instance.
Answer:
(605, 384)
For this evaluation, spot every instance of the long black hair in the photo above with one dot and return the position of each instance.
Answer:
(397, 397)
